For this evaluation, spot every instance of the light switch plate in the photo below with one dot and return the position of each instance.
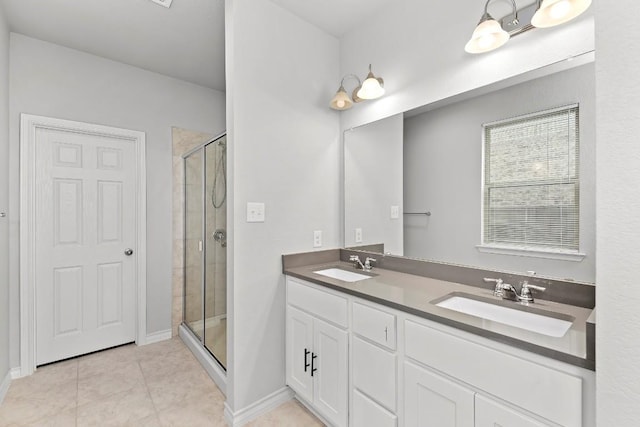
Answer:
(358, 235)
(317, 239)
(255, 212)
(395, 212)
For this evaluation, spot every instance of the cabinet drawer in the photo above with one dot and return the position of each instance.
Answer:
(491, 414)
(329, 307)
(376, 325)
(551, 394)
(374, 372)
(367, 413)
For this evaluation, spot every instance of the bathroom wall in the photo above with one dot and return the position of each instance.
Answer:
(418, 48)
(373, 183)
(618, 213)
(51, 80)
(4, 201)
(443, 174)
(283, 150)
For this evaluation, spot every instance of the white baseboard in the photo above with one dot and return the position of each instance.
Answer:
(262, 406)
(215, 371)
(4, 386)
(16, 373)
(157, 336)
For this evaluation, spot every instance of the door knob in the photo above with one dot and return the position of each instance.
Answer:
(128, 252)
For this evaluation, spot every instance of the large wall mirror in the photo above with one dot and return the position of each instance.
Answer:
(415, 182)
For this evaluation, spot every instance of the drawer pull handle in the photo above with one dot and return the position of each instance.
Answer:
(313, 358)
(386, 334)
(306, 364)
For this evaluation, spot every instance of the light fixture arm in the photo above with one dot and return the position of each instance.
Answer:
(486, 15)
(353, 76)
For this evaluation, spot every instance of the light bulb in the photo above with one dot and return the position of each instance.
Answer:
(340, 103)
(559, 9)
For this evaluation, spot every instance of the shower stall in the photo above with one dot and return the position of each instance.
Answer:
(205, 242)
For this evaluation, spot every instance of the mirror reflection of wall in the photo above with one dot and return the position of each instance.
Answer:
(373, 184)
(442, 173)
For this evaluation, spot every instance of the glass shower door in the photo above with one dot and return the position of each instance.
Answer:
(193, 310)
(215, 337)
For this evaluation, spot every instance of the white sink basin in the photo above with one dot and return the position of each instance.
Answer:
(344, 275)
(539, 323)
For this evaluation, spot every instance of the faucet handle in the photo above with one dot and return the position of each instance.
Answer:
(367, 263)
(498, 291)
(526, 285)
(526, 295)
(354, 258)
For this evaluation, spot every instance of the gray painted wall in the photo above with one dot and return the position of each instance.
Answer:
(51, 80)
(373, 183)
(284, 150)
(443, 174)
(618, 213)
(4, 197)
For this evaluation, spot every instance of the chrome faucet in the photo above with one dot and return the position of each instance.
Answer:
(509, 292)
(357, 262)
(367, 263)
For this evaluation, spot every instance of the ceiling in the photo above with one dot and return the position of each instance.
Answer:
(185, 41)
(335, 17)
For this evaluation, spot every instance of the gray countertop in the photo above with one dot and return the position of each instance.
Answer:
(414, 295)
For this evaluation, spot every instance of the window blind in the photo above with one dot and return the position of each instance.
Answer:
(531, 181)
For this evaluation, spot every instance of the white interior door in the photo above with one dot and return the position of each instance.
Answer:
(85, 223)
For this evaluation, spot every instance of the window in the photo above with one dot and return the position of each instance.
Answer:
(531, 182)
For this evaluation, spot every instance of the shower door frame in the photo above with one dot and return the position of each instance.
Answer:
(202, 147)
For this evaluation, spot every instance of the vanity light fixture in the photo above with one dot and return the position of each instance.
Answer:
(492, 33)
(371, 88)
(555, 12)
(489, 34)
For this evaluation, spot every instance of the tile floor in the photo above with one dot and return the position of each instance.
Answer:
(160, 384)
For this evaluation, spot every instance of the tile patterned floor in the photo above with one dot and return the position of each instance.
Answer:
(160, 384)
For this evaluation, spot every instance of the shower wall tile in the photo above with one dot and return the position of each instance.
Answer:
(183, 140)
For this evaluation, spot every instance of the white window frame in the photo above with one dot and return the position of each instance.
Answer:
(515, 249)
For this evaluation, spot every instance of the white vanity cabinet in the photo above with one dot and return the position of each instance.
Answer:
(317, 350)
(374, 364)
(363, 364)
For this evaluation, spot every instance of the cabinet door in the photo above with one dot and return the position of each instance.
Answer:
(299, 348)
(330, 372)
(367, 413)
(434, 401)
(374, 372)
(492, 414)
